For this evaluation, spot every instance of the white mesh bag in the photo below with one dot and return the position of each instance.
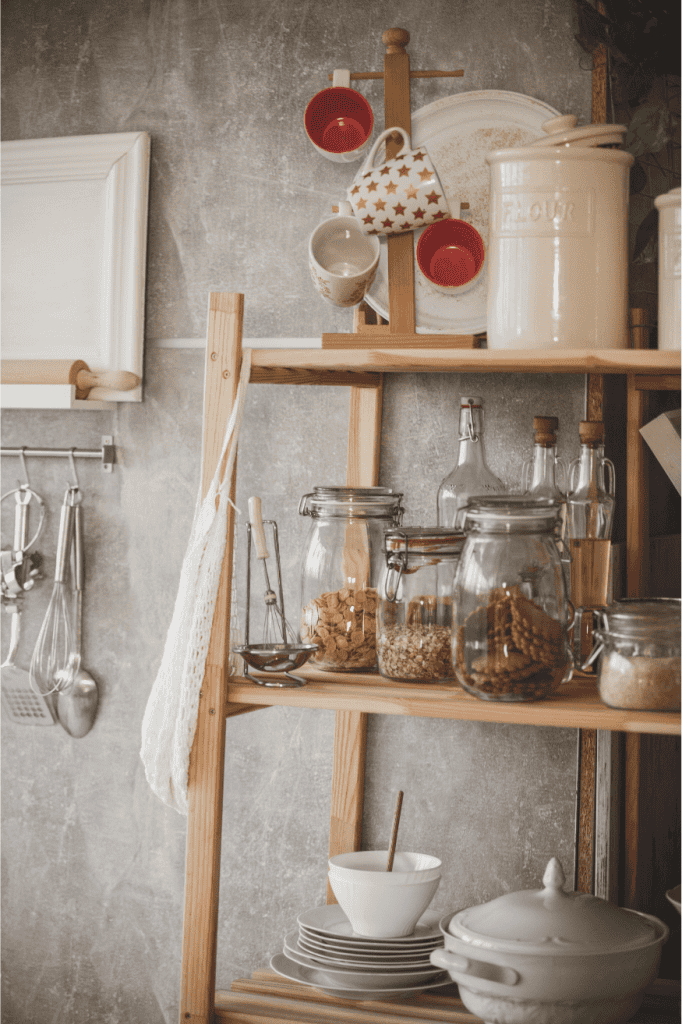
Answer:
(170, 718)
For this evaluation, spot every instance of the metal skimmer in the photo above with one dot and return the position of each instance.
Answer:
(280, 651)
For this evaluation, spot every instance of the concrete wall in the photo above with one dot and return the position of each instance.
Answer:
(92, 862)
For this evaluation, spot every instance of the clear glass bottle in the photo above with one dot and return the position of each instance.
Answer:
(414, 619)
(471, 476)
(342, 565)
(543, 475)
(592, 481)
(511, 612)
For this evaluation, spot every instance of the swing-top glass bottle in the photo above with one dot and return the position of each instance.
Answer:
(471, 476)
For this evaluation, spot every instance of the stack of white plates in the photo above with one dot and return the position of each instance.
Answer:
(325, 952)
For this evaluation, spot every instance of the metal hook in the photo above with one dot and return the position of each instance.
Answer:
(27, 483)
(74, 486)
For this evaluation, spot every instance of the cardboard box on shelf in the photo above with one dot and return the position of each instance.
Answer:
(663, 437)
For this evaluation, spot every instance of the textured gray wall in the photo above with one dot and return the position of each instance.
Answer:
(92, 861)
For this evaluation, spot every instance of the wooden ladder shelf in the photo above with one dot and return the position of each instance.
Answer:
(358, 361)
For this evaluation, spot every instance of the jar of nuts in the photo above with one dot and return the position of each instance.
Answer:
(414, 618)
(511, 614)
(638, 646)
(341, 568)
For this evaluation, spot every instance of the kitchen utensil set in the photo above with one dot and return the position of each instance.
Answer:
(55, 664)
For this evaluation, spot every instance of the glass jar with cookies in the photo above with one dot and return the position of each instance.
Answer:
(342, 565)
(511, 612)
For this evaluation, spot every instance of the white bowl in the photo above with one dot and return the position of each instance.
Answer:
(407, 867)
(383, 904)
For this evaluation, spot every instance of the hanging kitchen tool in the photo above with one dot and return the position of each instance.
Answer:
(77, 701)
(280, 650)
(21, 704)
(18, 569)
(54, 647)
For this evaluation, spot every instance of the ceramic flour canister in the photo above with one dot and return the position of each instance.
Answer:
(669, 217)
(546, 956)
(557, 254)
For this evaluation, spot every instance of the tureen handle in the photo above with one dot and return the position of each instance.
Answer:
(554, 877)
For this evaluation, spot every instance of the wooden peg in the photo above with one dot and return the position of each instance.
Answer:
(395, 40)
(66, 371)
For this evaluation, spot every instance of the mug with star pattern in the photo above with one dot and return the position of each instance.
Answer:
(401, 194)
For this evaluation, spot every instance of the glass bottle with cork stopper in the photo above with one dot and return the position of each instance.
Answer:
(471, 476)
(543, 475)
(591, 486)
(590, 505)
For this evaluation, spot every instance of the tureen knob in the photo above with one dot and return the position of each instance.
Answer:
(554, 877)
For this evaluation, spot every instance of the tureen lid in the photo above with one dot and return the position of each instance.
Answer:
(555, 922)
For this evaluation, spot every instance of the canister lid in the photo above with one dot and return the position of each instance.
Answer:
(511, 513)
(562, 131)
(351, 502)
(652, 618)
(553, 922)
(424, 540)
(671, 198)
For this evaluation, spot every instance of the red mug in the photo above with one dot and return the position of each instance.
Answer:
(451, 255)
(339, 121)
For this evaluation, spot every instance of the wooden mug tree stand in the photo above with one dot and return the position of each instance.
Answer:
(369, 330)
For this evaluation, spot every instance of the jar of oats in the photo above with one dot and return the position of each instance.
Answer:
(511, 612)
(414, 617)
(638, 646)
(342, 564)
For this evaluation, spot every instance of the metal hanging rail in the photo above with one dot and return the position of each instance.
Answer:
(107, 453)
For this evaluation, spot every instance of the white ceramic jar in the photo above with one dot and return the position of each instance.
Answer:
(668, 207)
(558, 255)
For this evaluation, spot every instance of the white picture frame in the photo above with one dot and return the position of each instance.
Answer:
(74, 240)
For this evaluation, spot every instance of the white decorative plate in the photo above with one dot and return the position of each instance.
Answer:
(331, 921)
(458, 131)
(358, 978)
(286, 968)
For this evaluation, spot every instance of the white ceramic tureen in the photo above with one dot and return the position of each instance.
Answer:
(545, 956)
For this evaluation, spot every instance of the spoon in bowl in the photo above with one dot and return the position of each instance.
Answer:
(77, 702)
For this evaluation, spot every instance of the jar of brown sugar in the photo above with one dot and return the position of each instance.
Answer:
(342, 564)
(511, 612)
(638, 646)
(414, 617)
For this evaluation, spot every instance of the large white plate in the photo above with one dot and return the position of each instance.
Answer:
(294, 945)
(359, 978)
(458, 131)
(286, 968)
(331, 921)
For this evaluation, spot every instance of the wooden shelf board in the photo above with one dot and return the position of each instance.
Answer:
(295, 365)
(576, 706)
(267, 997)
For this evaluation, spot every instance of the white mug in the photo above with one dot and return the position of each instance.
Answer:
(342, 260)
(401, 194)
